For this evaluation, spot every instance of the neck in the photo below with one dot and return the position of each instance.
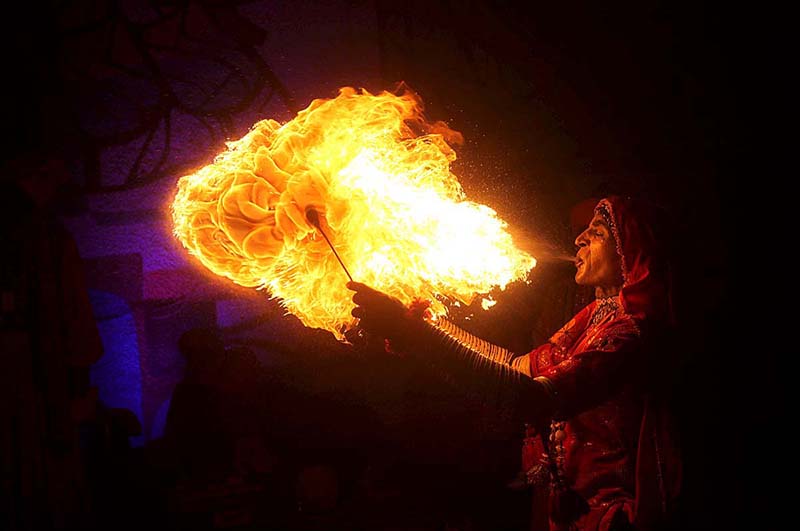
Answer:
(603, 292)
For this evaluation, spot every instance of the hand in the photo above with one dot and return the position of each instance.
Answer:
(379, 313)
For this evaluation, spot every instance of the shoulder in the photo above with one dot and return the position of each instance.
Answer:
(624, 331)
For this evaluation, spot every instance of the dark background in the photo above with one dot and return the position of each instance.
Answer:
(557, 102)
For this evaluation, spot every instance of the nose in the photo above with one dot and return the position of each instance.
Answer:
(582, 240)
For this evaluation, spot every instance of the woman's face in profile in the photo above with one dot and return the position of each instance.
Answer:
(597, 261)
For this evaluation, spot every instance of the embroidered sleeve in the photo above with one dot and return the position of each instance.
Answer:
(592, 375)
(555, 350)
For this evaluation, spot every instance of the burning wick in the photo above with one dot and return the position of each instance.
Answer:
(313, 217)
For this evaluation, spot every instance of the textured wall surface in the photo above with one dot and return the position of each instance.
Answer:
(156, 92)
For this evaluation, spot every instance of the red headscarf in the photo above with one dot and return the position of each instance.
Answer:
(644, 244)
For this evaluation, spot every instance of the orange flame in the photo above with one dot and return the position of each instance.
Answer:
(379, 177)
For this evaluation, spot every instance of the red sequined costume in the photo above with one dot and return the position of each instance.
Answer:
(607, 454)
(609, 449)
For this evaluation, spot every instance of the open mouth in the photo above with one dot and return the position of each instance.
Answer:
(578, 262)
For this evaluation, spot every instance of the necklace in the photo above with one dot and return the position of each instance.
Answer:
(605, 307)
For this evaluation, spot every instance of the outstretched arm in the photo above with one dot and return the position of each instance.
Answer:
(459, 354)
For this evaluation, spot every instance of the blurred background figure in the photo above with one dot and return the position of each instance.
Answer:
(49, 341)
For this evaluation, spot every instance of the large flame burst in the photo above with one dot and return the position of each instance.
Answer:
(379, 176)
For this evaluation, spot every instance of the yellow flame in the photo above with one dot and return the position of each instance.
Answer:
(487, 303)
(379, 176)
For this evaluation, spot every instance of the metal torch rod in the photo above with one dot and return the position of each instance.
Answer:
(313, 217)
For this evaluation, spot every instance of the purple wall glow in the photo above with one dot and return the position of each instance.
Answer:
(117, 375)
(161, 97)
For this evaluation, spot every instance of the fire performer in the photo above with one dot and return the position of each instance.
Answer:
(591, 392)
